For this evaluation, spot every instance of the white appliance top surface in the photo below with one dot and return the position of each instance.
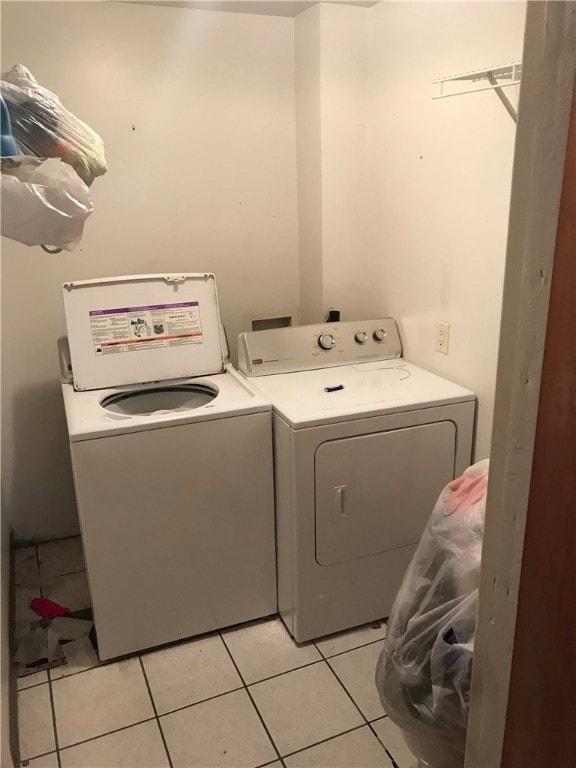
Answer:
(88, 419)
(325, 395)
(142, 328)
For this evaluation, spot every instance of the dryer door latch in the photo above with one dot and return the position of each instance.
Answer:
(339, 511)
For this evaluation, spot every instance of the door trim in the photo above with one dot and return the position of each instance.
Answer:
(545, 100)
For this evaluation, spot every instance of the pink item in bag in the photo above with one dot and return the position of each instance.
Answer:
(47, 608)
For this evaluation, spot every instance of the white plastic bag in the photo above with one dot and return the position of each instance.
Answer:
(424, 671)
(43, 127)
(44, 202)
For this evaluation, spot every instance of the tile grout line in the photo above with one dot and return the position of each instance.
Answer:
(185, 706)
(27, 760)
(328, 738)
(102, 735)
(244, 685)
(40, 588)
(191, 639)
(167, 646)
(362, 715)
(60, 538)
(349, 650)
(335, 736)
(71, 573)
(251, 698)
(35, 685)
(54, 725)
(99, 665)
(155, 712)
(384, 747)
(145, 651)
(318, 649)
(211, 698)
(108, 663)
(50, 692)
(201, 701)
(287, 672)
(367, 722)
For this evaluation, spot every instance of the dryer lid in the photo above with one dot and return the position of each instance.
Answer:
(141, 328)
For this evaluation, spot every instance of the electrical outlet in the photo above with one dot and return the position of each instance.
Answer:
(442, 336)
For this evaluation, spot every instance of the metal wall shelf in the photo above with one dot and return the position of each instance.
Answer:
(488, 79)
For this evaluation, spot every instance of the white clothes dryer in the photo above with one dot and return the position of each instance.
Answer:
(364, 442)
(172, 460)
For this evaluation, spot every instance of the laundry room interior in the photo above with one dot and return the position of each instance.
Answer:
(294, 151)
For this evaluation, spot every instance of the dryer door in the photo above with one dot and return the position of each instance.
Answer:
(375, 492)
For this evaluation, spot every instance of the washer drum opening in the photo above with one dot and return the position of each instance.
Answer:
(170, 399)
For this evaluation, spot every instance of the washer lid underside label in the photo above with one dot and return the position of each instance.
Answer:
(128, 329)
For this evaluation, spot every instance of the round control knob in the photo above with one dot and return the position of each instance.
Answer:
(361, 337)
(326, 340)
(379, 335)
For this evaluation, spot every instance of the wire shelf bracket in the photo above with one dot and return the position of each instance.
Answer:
(488, 79)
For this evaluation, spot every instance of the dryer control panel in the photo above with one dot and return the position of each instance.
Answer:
(305, 347)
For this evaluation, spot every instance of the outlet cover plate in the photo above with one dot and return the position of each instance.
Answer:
(442, 336)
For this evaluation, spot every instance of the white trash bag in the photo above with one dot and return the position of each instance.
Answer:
(424, 671)
(44, 202)
(43, 127)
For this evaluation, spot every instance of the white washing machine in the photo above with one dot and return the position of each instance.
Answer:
(364, 442)
(172, 460)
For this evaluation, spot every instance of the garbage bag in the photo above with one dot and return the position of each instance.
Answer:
(7, 144)
(43, 127)
(44, 202)
(424, 671)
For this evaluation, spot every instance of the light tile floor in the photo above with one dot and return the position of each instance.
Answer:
(246, 696)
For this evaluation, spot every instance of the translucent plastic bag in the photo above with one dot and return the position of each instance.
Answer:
(424, 671)
(44, 202)
(43, 127)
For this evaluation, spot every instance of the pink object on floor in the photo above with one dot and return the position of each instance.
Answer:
(47, 608)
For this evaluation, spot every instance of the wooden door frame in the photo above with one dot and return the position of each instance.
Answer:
(544, 112)
(541, 714)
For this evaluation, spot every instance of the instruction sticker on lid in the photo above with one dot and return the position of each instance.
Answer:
(131, 329)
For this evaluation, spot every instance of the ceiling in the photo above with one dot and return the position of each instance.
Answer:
(263, 7)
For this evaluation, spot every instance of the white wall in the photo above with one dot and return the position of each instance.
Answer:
(439, 185)
(348, 265)
(410, 196)
(403, 201)
(307, 57)
(196, 109)
(332, 110)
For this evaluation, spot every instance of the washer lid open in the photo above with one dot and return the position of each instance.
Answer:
(141, 328)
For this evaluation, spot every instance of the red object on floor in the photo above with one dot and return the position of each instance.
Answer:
(47, 608)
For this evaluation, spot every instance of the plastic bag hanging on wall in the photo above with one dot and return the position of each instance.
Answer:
(43, 202)
(43, 127)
